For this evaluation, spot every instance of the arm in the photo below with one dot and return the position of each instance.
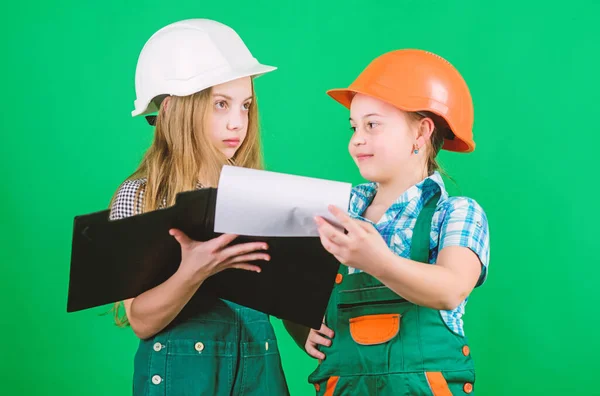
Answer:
(153, 310)
(442, 286)
(463, 257)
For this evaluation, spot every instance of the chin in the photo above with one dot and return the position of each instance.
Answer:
(370, 175)
(229, 153)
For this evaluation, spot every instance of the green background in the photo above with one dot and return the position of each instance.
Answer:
(69, 140)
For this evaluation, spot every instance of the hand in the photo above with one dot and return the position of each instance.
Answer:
(318, 338)
(362, 248)
(204, 259)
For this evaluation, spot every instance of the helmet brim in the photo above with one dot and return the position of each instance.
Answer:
(148, 106)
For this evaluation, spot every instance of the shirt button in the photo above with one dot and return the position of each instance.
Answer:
(338, 278)
(157, 346)
(468, 388)
(199, 346)
(156, 379)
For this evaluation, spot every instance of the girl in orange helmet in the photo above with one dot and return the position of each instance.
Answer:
(412, 255)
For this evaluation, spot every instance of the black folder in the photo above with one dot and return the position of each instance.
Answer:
(119, 259)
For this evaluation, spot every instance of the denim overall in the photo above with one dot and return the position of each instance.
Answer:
(221, 349)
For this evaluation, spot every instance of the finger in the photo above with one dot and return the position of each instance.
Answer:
(326, 331)
(181, 237)
(248, 257)
(346, 221)
(318, 339)
(364, 225)
(243, 248)
(223, 240)
(329, 245)
(247, 267)
(335, 235)
(314, 352)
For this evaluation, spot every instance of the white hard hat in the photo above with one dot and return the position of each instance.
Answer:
(189, 56)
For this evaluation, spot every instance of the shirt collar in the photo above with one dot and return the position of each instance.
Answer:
(410, 202)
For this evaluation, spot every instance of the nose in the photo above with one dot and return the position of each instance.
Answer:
(236, 121)
(358, 138)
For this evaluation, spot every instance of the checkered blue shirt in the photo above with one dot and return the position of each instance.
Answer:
(457, 221)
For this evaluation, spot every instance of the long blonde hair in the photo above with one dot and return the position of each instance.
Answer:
(181, 156)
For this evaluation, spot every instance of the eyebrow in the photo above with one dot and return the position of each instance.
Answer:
(229, 97)
(368, 115)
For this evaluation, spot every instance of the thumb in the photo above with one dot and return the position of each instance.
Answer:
(180, 236)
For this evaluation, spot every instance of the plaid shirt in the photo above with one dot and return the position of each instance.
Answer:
(125, 203)
(457, 221)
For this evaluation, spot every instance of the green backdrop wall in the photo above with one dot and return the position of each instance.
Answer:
(68, 140)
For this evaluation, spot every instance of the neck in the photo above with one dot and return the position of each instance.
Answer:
(388, 191)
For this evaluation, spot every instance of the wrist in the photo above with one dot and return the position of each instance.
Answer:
(188, 278)
(381, 263)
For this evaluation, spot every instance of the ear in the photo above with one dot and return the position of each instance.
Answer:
(165, 103)
(426, 128)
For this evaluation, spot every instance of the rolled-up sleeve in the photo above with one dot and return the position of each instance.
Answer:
(465, 224)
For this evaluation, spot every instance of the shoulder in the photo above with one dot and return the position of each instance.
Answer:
(363, 190)
(462, 218)
(361, 194)
(462, 208)
(127, 199)
(463, 222)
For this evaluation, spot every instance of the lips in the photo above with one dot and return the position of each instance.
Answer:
(362, 157)
(232, 142)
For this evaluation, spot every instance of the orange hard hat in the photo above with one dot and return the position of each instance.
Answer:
(416, 80)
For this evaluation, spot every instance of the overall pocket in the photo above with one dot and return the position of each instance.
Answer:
(196, 367)
(372, 318)
(262, 372)
(374, 329)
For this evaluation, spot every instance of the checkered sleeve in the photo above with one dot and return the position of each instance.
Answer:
(465, 224)
(125, 203)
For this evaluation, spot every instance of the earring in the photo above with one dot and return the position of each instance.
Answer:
(416, 149)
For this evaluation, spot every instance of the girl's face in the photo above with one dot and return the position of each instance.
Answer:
(383, 140)
(228, 116)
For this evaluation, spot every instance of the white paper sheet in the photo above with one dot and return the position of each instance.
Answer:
(264, 203)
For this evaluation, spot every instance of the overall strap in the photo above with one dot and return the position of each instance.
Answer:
(419, 245)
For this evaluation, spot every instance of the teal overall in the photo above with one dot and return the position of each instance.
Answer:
(385, 345)
(221, 349)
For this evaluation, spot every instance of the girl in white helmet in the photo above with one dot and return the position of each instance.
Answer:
(198, 76)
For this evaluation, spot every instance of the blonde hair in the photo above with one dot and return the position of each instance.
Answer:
(181, 156)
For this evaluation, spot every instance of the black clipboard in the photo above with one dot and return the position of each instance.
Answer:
(119, 259)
